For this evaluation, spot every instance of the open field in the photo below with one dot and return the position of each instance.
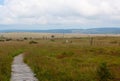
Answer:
(63, 59)
(76, 61)
(7, 52)
(57, 35)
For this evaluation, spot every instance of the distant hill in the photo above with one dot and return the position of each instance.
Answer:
(98, 31)
(83, 31)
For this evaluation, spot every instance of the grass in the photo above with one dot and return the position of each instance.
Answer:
(76, 61)
(7, 53)
(60, 61)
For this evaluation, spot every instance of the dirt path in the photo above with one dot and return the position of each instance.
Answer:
(20, 70)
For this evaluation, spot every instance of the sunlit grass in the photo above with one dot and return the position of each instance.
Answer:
(7, 53)
(76, 61)
(60, 61)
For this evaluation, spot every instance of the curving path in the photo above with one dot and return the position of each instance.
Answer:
(20, 70)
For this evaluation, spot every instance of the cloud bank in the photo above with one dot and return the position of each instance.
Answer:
(64, 12)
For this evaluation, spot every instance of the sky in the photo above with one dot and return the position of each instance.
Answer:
(1, 2)
(56, 14)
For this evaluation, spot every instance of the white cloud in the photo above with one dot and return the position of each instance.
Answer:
(82, 12)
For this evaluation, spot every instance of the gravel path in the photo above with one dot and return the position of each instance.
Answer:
(21, 71)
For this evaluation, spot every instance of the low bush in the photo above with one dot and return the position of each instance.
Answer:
(1, 40)
(104, 73)
(8, 39)
(33, 42)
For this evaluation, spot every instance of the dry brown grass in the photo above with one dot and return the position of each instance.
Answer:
(57, 35)
(60, 61)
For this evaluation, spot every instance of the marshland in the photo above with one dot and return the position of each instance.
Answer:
(89, 58)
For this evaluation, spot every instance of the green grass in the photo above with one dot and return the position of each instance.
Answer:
(7, 53)
(77, 61)
(60, 61)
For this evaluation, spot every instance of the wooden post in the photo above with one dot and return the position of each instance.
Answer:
(91, 41)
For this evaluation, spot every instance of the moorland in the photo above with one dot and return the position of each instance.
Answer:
(53, 58)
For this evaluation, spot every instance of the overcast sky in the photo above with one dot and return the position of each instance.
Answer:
(68, 13)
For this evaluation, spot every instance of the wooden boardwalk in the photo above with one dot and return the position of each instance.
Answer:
(21, 71)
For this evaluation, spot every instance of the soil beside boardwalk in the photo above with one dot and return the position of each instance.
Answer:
(21, 71)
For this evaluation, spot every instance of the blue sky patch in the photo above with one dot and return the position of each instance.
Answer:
(1, 2)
